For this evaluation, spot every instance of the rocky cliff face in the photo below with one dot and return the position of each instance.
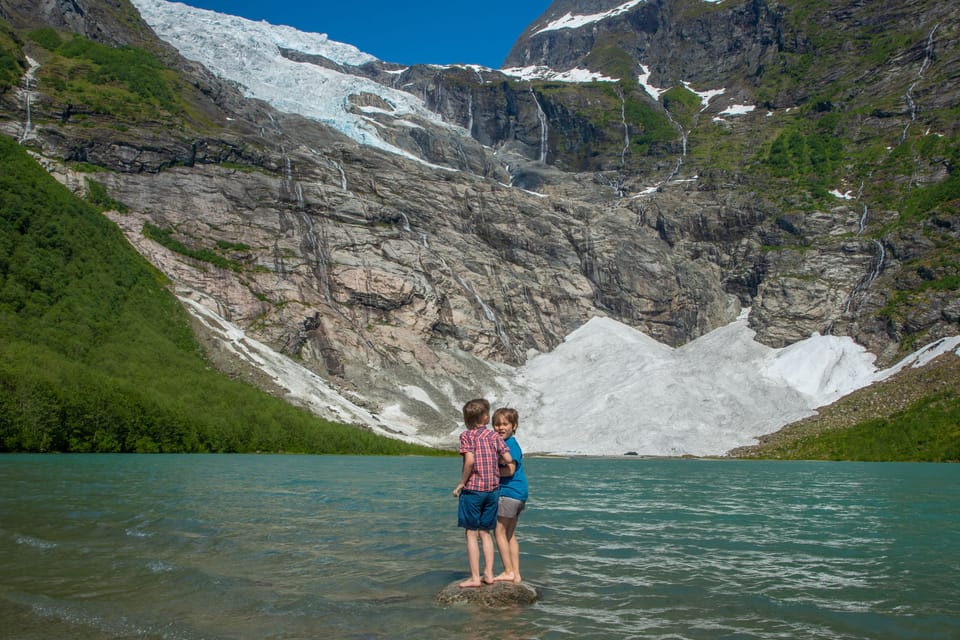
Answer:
(657, 201)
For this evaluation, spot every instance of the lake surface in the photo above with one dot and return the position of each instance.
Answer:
(251, 547)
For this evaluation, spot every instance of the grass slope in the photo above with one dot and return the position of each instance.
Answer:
(97, 355)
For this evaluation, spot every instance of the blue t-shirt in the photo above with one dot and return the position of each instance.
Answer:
(516, 485)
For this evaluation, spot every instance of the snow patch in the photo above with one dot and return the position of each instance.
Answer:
(844, 195)
(575, 21)
(738, 110)
(303, 387)
(644, 79)
(546, 73)
(609, 389)
(571, 21)
(705, 96)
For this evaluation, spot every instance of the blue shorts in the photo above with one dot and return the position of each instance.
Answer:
(477, 510)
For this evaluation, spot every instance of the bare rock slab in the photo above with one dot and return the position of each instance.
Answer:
(498, 594)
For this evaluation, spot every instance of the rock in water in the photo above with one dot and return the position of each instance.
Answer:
(498, 594)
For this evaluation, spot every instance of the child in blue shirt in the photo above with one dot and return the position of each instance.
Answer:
(513, 495)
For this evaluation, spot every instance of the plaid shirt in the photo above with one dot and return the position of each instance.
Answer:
(486, 446)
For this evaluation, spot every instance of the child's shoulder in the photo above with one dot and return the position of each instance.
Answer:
(490, 434)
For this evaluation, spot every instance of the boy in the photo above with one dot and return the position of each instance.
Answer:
(478, 491)
(513, 496)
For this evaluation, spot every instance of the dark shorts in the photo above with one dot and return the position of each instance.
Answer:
(510, 507)
(477, 510)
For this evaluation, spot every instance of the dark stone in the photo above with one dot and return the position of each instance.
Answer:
(498, 594)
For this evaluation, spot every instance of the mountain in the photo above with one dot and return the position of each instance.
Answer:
(411, 235)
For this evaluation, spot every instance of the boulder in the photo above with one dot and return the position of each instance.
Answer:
(498, 594)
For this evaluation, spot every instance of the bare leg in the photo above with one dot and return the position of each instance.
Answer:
(515, 553)
(488, 556)
(473, 558)
(506, 541)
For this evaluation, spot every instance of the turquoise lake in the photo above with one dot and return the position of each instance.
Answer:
(280, 547)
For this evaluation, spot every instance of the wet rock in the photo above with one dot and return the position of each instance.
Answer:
(499, 594)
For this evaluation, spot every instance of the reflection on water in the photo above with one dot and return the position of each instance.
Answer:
(239, 547)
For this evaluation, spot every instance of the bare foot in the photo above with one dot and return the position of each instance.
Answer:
(506, 576)
(470, 584)
(518, 579)
(488, 579)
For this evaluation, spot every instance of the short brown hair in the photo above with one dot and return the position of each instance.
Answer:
(508, 414)
(474, 412)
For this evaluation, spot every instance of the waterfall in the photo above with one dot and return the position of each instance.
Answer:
(876, 268)
(863, 221)
(928, 51)
(617, 183)
(343, 175)
(543, 126)
(438, 82)
(28, 97)
(626, 129)
(676, 170)
(487, 312)
(911, 104)
(287, 165)
(470, 114)
(290, 186)
(683, 148)
(315, 249)
(301, 202)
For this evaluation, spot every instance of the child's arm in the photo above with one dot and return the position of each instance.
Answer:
(465, 473)
(508, 466)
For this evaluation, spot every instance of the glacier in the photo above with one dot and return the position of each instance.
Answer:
(250, 55)
(610, 390)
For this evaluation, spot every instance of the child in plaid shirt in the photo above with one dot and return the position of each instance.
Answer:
(479, 488)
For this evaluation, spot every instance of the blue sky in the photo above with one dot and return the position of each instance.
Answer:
(408, 32)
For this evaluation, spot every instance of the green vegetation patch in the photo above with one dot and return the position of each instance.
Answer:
(928, 431)
(683, 104)
(98, 196)
(97, 355)
(913, 416)
(226, 245)
(127, 84)
(924, 200)
(807, 150)
(165, 237)
(654, 127)
(12, 61)
(46, 37)
(611, 60)
(138, 71)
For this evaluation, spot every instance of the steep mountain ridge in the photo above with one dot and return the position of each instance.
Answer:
(403, 278)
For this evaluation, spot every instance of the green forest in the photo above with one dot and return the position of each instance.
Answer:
(97, 355)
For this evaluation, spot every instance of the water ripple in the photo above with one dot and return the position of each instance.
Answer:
(249, 547)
